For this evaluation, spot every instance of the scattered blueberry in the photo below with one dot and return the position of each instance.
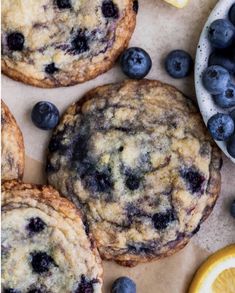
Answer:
(123, 285)
(232, 14)
(136, 6)
(162, 220)
(135, 63)
(215, 79)
(15, 41)
(227, 98)
(36, 225)
(41, 262)
(63, 4)
(51, 68)
(232, 210)
(178, 64)
(221, 33)
(45, 115)
(109, 9)
(231, 146)
(223, 59)
(193, 179)
(11, 290)
(80, 43)
(133, 182)
(221, 126)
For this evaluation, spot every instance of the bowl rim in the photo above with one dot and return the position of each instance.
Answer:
(201, 63)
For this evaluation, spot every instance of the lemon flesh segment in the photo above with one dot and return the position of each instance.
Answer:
(225, 282)
(217, 273)
(177, 3)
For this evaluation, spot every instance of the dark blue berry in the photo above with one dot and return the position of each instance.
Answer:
(36, 225)
(51, 68)
(231, 146)
(221, 126)
(99, 182)
(123, 285)
(224, 59)
(11, 290)
(15, 41)
(85, 285)
(227, 98)
(109, 9)
(232, 14)
(162, 220)
(63, 4)
(178, 64)
(135, 63)
(232, 114)
(221, 33)
(215, 79)
(136, 6)
(80, 43)
(232, 209)
(133, 182)
(193, 179)
(41, 262)
(45, 115)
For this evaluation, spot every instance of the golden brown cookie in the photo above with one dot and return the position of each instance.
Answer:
(45, 245)
(138, 159)
(12, 164)
(52, 43)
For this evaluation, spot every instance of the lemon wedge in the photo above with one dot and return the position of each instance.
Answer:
(177, 3)
(217, 274)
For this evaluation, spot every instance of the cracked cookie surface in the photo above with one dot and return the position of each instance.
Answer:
(137, 158)
(45, 246)
(51, 43)
(12, 163)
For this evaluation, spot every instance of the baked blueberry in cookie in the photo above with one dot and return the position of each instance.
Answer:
(46, 248)
(136, 157)
(52, 43)
(12, 151)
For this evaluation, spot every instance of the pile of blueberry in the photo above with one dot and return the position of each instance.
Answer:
(218, 79)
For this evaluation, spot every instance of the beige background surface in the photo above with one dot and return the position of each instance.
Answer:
(160, 28)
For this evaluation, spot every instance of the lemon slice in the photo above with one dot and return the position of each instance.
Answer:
(177, 3)
(217, 274)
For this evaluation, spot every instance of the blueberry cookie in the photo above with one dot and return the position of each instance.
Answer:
(138, 160)
(52, 43)
(45, 245)
(12, 164)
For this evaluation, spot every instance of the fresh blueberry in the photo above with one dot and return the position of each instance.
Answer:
(109, 9)
(41, 262)
(35, 225)
(15, 41)
(221, 33)
(232, 14)
(80, 43)
(224, 59)
(63, 4)
(193, 179)
(215, 79)
(51, 68)
(11, 290)
(221, 126)
(136, 6)
(123, 285)
(133, 182)
(231, 146)
(178, 64)
(45, 115)
(232, 209)
(162, 220)
(135, 63)
(227, 98)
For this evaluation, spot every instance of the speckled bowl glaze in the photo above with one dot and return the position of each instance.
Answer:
(205, 101)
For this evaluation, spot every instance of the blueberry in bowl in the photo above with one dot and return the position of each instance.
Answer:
(221, 126)
(221, 33)
(227, 98)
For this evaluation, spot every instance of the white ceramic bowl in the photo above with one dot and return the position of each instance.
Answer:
(205, 101)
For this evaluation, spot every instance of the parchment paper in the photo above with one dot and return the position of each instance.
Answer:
(160, 28)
